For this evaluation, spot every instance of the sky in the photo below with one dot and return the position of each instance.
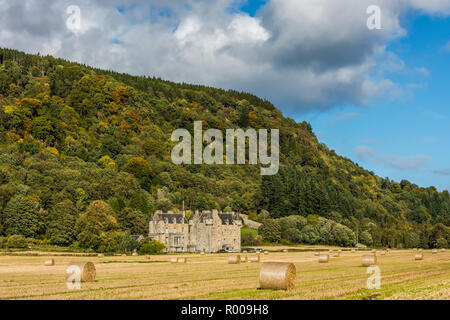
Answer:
(377, 96)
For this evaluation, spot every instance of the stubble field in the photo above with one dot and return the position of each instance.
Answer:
(211, 277)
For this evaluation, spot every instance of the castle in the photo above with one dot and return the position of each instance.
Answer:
(208, 231)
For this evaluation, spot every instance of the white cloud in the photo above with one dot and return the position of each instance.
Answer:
(424, 71)
(309, 54)
(392, 161)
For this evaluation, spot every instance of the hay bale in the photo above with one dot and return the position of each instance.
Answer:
(434, 251)
(420, 250)
(418, 256)
(174, 260)
(101, 255)
(443, 250)
(353, 250)
(87, 269)
(124, 256)
(383, 253)
(266, 253)
(135, 254)
(49, 262)
(244, 259)
(285, 250)
(277, 276)
(316, 254)
(324, 258)
(255, 258)
(330, 251)
(202, 253)
(181, 260)
(374, 251)
(336, 255)
(369, 260)
(236, 259)
(245, 251)
(340, 250)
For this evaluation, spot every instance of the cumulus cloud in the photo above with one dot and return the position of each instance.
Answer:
(302, 55)
(392, 161)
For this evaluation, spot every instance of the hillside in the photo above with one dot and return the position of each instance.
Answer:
(71, 135)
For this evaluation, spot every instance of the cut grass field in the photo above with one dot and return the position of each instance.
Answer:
(211, 277)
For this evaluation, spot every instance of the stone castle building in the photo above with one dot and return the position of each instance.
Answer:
(208, 231)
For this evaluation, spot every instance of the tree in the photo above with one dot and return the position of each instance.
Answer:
(270, 230)
(96, 225)
(365, 238)
(141, 169)
(133, 221)
(61, 223)
(22, 216)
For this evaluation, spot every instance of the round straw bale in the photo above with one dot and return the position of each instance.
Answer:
(353, 250)
(369, 260)
(181, 260)
(202, 253)
(174, 260)
(87, 270)
(383, 253)
(443, 250)
(277, 276)
(374, 251)
(420, 250)
(245, 251)
(266, 252)
(244, 259)
(418, 256)
(285, 250)
(255, 258)
(340, 250)
(236, 259)
(317, 254)
(124, 255)
(324, 258)
(336, 255)
(135, 254)
(330, 251)
(434, 251)
(49, 262)
(101, 255)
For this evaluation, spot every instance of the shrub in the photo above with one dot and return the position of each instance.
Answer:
(17, 241)
(152, 247)
(441, 243)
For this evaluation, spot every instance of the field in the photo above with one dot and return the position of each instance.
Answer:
(210, 277)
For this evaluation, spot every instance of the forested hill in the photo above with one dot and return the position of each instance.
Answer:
(71, 134)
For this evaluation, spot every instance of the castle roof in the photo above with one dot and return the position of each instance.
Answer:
(228, 218)
(169, 217)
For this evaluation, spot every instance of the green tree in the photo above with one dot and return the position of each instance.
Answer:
(270, 230)
(61, 223)
(96, 225)
(22, 216)
(133, 221)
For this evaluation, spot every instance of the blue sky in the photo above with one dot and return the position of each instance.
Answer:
(414, 125)
(414, 128)
(378, 97)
